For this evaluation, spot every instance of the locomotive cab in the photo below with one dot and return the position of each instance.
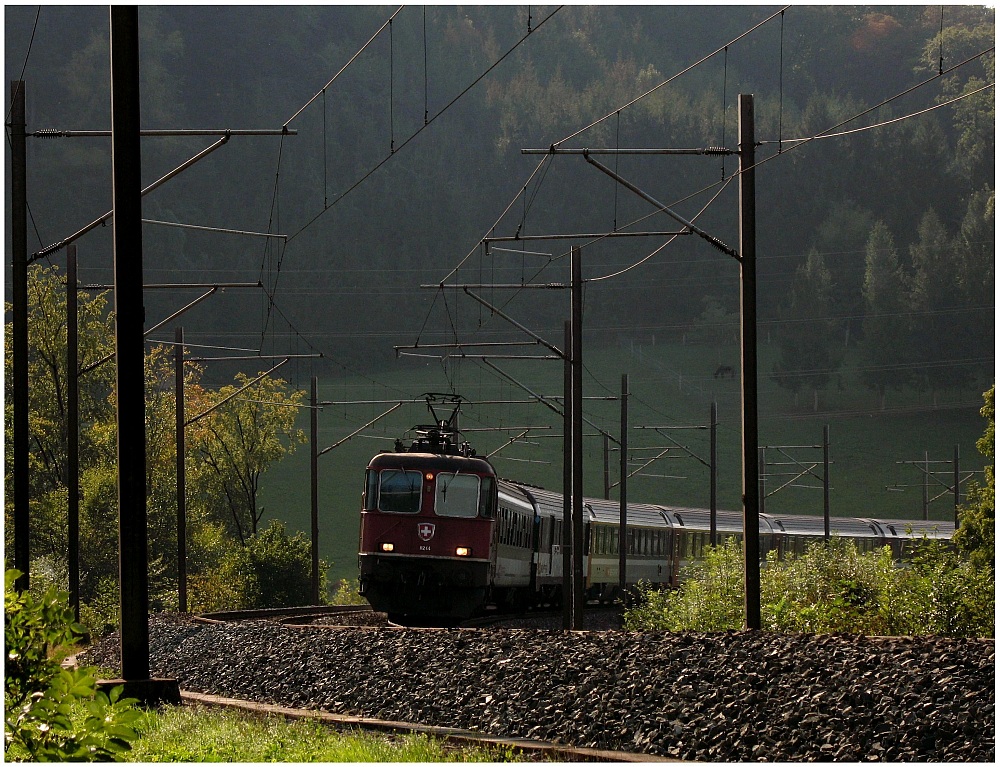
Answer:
(426, 526)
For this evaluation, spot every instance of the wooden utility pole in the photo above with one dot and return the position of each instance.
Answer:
(314, 485)
(713, 475)
(748, 343)
(958, 492)
(567, 530)
(623, 492)
(607, 466)
(826, 482)
(179, 421)
(72, 433)
(19, 299)
(129, 342)
(577, 318)
(925, 485)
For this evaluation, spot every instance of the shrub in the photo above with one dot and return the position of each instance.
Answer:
(711, 598)
(832, 587)
(100, 615)
(345, 592)
(51, 713)
(276, 568)
(976, 535)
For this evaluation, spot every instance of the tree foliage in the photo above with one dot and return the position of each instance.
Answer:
(228, 452)
(976, 535)
(238, 442)
(588, 61)
(886, 324)
(42, 700)
(810, 354)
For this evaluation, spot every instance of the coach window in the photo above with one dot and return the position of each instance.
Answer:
(457, 495)
(399, 491)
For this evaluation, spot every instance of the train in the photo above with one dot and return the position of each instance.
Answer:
(444, 538)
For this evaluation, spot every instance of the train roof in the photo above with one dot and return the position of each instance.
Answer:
(546, 502)
(919, 528)
(639, 514)
(515, 494)
(846, 527)
(430, 462)
(549, 503)
(726, 521)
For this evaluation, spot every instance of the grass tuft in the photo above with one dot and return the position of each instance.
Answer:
(206, 734)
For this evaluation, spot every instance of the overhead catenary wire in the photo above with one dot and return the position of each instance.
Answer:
(671, 78)
(618, 113)
(24, 67)
(875, 107)
(340, 71)
(826, 134)
(420, 130)
(884, 123)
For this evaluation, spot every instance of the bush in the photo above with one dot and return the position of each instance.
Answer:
(711, 598)
(100, 615)
(274, 569)
(830, 588)
(345, 592)
(51, 713)
(976, 535)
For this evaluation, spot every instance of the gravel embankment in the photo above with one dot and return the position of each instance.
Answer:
(737, 696)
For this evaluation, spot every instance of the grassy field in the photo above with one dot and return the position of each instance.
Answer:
(671, 385)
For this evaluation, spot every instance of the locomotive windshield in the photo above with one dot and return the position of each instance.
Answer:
(464, 495)
(399, 491)
(456, 495)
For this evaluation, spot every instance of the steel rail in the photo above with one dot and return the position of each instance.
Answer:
(557, 752)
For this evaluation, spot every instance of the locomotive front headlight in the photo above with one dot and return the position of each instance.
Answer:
(463, 551)
(387, 547)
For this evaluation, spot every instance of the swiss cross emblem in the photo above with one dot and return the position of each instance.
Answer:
(425, 530)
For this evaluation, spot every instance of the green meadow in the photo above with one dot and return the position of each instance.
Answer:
(672, 386)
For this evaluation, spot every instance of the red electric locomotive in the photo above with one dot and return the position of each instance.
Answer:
(426, 524)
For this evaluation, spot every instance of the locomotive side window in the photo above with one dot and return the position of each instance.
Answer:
(457, 495)
(488, 498)
(399, 491)
(371, 490)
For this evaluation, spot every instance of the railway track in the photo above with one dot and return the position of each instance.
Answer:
(596, 617)
(308, 614)
(313, 616)
(730, 696)
(533, 750)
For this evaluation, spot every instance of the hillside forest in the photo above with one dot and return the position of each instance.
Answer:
(396, 150)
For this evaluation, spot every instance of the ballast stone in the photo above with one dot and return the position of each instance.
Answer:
(732, 696)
